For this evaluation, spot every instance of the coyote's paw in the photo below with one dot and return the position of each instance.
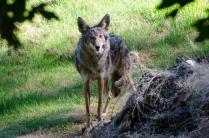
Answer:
(104, 114)
(119, 83)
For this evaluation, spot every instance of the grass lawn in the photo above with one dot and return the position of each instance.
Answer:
(40, 93)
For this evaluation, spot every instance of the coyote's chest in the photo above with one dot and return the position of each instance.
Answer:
(92, 66)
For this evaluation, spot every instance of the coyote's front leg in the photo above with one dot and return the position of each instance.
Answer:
(87, 101)
(101, 87)
(109, 97)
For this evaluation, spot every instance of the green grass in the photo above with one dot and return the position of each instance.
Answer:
(40, 93)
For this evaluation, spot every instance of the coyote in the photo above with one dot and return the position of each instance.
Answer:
(103, 57)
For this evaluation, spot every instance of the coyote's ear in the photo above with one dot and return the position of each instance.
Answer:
(82, 25)
(105, 22)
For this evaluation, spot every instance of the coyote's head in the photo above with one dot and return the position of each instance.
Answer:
(95, 38)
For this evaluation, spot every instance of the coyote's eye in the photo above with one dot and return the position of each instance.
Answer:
(100, 36)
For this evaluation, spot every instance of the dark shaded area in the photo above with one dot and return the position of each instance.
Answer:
(50, 120)
(203, 28)
(15, 11)
(201, 25)
(9, 105)
(169, 3)
(173, 103)
(31, 125)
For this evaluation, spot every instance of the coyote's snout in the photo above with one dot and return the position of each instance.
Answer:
(102, 56)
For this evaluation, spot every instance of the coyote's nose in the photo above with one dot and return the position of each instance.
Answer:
(97, 47)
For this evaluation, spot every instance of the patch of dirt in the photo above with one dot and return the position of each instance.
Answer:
(141, 57)
(18, 52)
(52, 52)
(68, 55)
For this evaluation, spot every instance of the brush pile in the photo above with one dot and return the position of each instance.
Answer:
(174, 103)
